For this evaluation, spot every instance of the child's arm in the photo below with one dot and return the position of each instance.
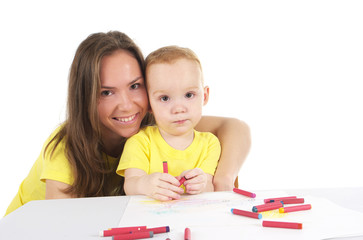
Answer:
(197, 181)
(235, 139)
(160, 186)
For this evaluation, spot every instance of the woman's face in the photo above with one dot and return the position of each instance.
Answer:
(123, 101)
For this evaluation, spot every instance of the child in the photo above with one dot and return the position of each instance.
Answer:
(176, 94)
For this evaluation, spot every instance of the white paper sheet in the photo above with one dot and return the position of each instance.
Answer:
(209, 216)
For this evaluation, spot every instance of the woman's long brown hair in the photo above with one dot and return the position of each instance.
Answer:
(81, 130)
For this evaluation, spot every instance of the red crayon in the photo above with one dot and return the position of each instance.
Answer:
(270, 204)
(157, 230)
(182, 180)
(246, 213)
(293, 200)
(277, 199)
(275, 224)
(244, 193)
(267, 207)
(295, 208)
(187, 234)
(165, 167)
(134, 235)
(120, 230)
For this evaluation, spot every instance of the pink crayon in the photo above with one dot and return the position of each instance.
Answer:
(165, 167)
(157, 230)
(120, 230)
(267, 207)
(244, 193)
(293, 200)
(295, 208)
(134, 235)
(182, 180)
(246, 213)
(274, 224)
(187, 234)
(277, 199)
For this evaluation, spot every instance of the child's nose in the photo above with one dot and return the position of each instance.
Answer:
(179, 107)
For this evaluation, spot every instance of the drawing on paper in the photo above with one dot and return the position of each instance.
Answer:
(191, 204)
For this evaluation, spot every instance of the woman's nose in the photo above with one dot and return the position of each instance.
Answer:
(124, 102)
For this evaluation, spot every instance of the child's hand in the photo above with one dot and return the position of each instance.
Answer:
(162, 186)
(196, 182)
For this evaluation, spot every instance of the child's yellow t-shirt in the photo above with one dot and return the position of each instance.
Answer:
(147, 150)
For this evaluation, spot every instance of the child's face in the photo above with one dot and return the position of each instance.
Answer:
(176, 95)
(123, 100)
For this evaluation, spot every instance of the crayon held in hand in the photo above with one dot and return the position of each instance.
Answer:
(165, 167)
(244, 193)
(182, 180)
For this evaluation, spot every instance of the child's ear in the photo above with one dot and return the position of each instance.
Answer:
(206, 95)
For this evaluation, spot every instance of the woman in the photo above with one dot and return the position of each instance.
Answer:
(107, 103)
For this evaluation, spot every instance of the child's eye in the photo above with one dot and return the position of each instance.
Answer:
(106, 93)
(189, 95)
(164, 98)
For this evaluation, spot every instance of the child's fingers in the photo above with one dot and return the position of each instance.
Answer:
(202, 178)
(166, 191)
(169, 179)
(194, 188)
(192, 173)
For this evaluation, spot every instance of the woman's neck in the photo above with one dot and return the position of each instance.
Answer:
(113, 146)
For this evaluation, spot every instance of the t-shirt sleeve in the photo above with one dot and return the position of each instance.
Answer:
(211, 158)
(136, 154)
(56, 165)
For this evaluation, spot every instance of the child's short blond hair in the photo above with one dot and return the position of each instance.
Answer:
(170, 54)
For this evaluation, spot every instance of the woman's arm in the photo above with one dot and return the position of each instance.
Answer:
(55, 190)
(234, 136)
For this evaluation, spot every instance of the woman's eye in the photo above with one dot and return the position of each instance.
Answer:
(135, 86)
(164, 98)
(106, 93)
(189, 95)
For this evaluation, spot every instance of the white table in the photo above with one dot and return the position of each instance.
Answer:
(83, 218)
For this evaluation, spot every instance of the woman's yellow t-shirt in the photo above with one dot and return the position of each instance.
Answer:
(56, 168)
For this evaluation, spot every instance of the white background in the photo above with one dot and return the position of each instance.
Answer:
(293, 70)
